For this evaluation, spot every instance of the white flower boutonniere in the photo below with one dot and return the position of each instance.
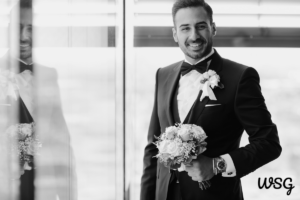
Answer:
(210, 80)
(8, 85)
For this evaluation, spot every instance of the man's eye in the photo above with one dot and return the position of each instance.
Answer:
(201, 27)
(185, 29)
(29, 28)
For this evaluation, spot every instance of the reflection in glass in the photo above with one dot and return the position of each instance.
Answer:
(69, 94)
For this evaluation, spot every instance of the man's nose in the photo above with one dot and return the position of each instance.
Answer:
(194, 34)
(24, 34)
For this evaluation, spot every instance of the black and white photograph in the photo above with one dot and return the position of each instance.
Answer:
(149, 99)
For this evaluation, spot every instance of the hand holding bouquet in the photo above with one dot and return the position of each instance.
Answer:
(179, 145)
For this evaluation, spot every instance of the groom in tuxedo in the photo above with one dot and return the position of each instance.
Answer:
(224, 115)
(51, 175)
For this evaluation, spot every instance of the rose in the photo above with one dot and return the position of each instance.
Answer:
(214, 80)
(25, 131)
(205, 75)
(211, 72)
(185, 133)
(173, 149)
(171, 132)
(186, 136)
(197, 130)
(163, 146)
(198, 133)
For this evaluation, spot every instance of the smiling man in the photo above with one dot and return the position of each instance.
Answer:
(26, 34)
(193, 31)
(223, 112)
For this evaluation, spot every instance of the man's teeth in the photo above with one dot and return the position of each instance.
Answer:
(24, 45)
(195, 45)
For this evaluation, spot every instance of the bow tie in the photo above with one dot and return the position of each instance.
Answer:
(24, 67)
(200, 67)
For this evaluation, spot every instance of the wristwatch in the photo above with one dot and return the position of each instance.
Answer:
(219, 165)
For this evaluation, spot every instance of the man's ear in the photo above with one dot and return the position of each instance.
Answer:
(174, 34)
(214, 29)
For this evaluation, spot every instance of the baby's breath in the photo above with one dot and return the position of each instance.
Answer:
(27, 145)
(173, 149)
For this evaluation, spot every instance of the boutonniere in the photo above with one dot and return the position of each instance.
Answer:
(8, 85)
(210, 80)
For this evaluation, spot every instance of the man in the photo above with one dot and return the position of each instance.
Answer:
(52, 174)
(180, 98)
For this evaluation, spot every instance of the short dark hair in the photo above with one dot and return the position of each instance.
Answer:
(26, 4)
(179, 4)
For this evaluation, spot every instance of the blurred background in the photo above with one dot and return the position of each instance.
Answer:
(106, 53)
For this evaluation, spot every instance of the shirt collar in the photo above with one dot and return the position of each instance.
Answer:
(212, 51)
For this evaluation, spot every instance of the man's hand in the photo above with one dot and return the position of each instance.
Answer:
(200, 169)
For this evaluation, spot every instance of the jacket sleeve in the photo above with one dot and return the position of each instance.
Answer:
(57, 165)
(254, 116)
(148, 182)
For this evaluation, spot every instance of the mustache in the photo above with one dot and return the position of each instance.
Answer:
(25, 42)
(198, 40)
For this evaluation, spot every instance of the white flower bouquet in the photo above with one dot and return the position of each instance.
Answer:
(180, 144)
(24, 143)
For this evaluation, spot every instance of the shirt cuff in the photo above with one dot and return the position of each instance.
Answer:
(230, 169)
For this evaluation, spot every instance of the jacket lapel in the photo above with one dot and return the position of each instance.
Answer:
(170, 88)
(198, 106)
(216, 62)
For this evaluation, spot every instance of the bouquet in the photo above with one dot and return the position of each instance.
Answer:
(179, 145)
(24, 143)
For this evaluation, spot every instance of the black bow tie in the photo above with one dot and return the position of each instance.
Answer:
(200, 67)
(24, 67)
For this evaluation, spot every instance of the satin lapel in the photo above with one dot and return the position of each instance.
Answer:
(170, 88)
(198, 107)
(216, 62)
(44, 95)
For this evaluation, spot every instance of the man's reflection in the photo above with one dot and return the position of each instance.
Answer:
(26, 32)
(51, 175)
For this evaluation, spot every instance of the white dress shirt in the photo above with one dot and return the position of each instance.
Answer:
(188, 90)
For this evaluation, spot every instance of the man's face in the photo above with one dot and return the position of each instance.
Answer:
(25, 34)
(193, 32)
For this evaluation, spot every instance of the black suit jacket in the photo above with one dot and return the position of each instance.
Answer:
(242, 108)
(55, 165)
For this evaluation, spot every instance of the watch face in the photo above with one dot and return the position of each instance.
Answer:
(221, 165)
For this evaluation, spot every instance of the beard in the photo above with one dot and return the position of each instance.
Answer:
(24, 55)
(207, 46)
(25, 49)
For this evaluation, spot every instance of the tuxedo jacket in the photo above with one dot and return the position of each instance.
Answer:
(55, 173)
(242, 108)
